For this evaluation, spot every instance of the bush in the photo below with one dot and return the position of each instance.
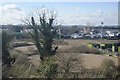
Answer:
(19, 44)
(6, 40)
(108, 69)
(22, 71)
(68, 64)
(48, 69)
(81, 49)
(22, 36)
(21, 68)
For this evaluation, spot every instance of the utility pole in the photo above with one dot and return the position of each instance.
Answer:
(102, 30)
(101, 35)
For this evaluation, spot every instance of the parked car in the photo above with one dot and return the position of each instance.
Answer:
(76, 36)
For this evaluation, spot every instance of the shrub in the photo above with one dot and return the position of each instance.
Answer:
(21, 68)
(48, 69)
(21, 36)
(21, 71)
(67, 65)
(108, 69)
(81, 49)
(6, 58)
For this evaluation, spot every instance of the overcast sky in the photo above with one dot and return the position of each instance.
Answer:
(68, 13)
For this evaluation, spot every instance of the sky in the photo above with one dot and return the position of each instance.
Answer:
(68, 13)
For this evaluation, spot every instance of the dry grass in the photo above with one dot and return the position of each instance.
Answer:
(81, 41)
(71, 58)
(22, 68)
(77, 47)
(60, 42)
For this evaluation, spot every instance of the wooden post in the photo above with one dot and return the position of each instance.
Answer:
(113, 48)
(118, 49)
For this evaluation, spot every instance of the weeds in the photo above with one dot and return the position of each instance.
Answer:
(48, 69)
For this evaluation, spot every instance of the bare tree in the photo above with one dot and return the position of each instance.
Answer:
(45, 26)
